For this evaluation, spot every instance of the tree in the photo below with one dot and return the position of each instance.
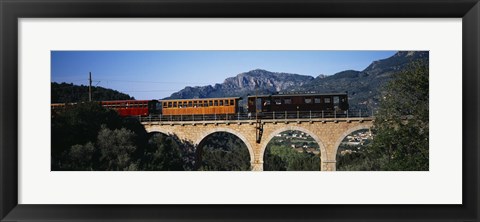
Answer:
(116, 149)
(77, 125)
(223, 152)
(164, 153)
(401, 128)
(81, 157)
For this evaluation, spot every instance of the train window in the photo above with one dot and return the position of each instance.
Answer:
(195, 104)
(336, 99)
(215, 103)
(278, 101)
(164, 104)
(200, 103)
(327, 100)
(232, 102)
(317, 100)
(308, 100)
(190, 104)
(205, 103)
(221, 102)
(174, 104)
(210, 103)
(267, 103)
(227, 103)
(169, 104)
(287, 101)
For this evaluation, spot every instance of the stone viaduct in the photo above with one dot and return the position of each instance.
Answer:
(328, 133)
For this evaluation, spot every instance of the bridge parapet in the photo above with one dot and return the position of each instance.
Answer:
(146, 121)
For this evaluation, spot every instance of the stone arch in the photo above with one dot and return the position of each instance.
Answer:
(158, 130)
(345, 134)
(228, 130)
(321, 144)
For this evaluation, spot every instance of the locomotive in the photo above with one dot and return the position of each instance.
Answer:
(263, 106)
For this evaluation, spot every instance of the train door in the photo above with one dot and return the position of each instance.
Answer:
(344, 103)
(154, 107)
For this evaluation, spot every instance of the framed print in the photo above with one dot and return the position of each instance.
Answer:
(115, 110)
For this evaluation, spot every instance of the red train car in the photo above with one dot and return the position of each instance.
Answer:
(123, 107)
(133, 107)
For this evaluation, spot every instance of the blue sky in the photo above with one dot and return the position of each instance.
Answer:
(158, 74)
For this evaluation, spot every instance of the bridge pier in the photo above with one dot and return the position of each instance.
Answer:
(257, 166)
(328, 165)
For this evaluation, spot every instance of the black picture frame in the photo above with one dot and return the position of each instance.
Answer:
(11, 11)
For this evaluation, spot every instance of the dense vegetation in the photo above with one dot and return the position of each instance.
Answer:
(89, 137)
(70, 93)
(224, 152)
(280, 156)
(401, 128)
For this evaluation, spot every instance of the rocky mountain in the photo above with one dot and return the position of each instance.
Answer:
(255, 81)
(363, 86)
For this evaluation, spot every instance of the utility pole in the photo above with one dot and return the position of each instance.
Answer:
(256, 102)
(259, 126)
(90, 87)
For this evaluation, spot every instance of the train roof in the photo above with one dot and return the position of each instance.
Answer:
(300, 94)
(201, 99)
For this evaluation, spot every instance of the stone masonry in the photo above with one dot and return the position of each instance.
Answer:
(328, 133)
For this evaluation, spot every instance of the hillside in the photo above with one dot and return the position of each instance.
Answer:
(364, 86)
(68, 92)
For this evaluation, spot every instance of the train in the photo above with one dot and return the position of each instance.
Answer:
(259, 106)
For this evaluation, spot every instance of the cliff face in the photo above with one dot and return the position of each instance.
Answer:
(258, 80)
